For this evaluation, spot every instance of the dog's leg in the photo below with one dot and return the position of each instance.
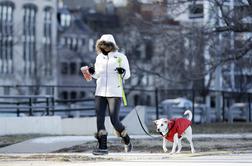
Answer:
(188, 135)
(191, 144)
(175, 143)
(179, 145)
(164, 145)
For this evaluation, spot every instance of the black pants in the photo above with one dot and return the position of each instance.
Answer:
(113, 104)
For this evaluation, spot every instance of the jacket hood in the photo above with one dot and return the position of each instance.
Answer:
(108, 38)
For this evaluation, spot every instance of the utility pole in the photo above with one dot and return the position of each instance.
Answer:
(218, 74)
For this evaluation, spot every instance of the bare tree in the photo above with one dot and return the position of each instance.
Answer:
(190, 61)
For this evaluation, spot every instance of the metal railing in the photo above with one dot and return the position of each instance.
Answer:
(31, 105)
(49, 104)
(25, 104)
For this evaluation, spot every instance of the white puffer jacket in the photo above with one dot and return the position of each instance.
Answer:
(107, 84)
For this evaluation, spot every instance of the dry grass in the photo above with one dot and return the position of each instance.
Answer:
(155, 145)
(238, 127)
(221, 128)
(201, 145)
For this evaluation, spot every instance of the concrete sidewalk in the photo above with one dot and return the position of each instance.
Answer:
(114, 159)
(54, 143)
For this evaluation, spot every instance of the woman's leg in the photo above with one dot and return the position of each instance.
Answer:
(114, 109)
(100, 108)
(101, 135)
(114, 104)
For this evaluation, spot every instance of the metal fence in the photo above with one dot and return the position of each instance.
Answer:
(46, 100)
(42, 105)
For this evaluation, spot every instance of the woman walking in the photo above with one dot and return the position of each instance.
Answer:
(109, 68)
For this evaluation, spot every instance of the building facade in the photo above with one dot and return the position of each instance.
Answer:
(28, 43)
(76, 48)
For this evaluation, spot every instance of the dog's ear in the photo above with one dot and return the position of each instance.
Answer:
(155, 122)
(166, 120)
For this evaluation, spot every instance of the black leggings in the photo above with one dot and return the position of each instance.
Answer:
(113, 104)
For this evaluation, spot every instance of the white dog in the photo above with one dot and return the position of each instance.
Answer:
(174, 130)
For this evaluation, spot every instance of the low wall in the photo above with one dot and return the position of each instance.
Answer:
(54, 125)
(83, 126)
(30, 125)
(132, 123)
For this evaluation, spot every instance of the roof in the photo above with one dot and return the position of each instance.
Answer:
(73, 4)
(77, 27)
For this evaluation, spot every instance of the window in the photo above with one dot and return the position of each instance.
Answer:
(29, 38)
(65, 19)
(6, 37)
(136, 100)
(7, 90)
(69, 42)
(74, 45)
(82, 42)
(196, 11)
(73, 95)
(63, 41)
(91, 45)
(72, 68)
(148, 50)
(47, 41)
(138, 51)
(64, 95)
(82, 94)
(148, 100)
(64, 68)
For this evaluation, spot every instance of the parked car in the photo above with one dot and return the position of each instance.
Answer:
(178, 103)
(175, 108)
(239, 112)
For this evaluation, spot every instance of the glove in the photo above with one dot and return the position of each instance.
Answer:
(120, 70)
(91, 70)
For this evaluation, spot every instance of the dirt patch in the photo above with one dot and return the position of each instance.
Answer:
(155, 145)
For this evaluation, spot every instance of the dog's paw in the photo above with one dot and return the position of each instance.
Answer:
(165, 150)
(177, 152)
(193, 151)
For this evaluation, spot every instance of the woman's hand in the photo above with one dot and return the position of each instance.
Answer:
(91, 70)
(120, 70)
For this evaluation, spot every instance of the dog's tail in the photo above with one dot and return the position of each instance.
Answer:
(189, 113)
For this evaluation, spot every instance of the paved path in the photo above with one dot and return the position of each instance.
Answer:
(54, 143)
(123, 159)
(46, 144)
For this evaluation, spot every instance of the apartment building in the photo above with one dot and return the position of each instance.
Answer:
(28, 34)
